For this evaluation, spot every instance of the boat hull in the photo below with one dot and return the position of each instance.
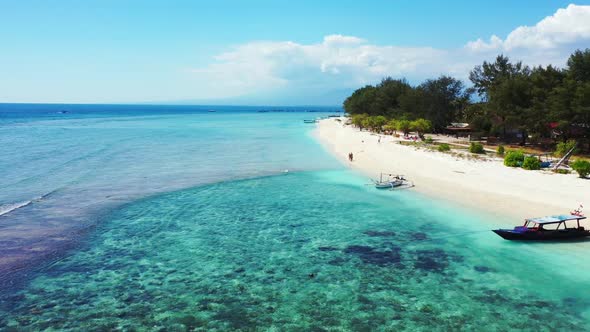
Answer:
(547, 235)
(388, 185)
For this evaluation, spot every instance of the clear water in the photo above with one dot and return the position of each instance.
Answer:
(314, 249)
(65, 169)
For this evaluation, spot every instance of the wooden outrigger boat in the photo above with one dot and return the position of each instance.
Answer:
(392, 181)
(547, 228)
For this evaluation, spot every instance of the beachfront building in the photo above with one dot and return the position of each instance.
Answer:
(459, 129)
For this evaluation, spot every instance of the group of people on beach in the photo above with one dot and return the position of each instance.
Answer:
(413, 138)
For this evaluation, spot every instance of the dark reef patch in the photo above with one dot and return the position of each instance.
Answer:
(483, 269)
(371, 256)
(327, 248)
(379, 233)
(419, 236)
(434, 260)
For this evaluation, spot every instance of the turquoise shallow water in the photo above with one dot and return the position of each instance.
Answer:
(62, 170)
(303, 251)
(176, 218)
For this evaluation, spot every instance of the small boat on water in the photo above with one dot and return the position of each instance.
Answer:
(309, 121)
(560, 227)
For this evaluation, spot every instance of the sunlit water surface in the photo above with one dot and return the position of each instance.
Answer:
(306, 250)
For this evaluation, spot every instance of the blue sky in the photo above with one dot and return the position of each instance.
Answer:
(263, 52)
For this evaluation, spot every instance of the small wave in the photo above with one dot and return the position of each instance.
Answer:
(7, 208)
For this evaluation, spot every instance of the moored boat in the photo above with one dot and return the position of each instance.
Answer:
(560, 227)
(391, 182)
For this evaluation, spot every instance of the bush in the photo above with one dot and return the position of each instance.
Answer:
(444, 147)
(582, 167)
(562, 171)
(428, 140)
(500, 150)
(476, 148)
(531, 163)
(514, 158)
(564, 147)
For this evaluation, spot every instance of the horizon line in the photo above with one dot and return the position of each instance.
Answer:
(161, 104)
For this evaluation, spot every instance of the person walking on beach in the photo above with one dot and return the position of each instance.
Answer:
(350, 157)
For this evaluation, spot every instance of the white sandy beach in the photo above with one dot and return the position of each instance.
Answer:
(488, 185)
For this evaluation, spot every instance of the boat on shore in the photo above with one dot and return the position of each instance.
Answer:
(560, 227)
(391, 182)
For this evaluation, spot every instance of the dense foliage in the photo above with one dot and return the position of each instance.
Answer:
(564, 147)
(531, 163)
(444, 147)
(514, 158)
(582, 167)
(514, 101)
(476, 148)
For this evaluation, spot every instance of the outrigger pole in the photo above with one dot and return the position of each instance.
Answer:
(565, 157)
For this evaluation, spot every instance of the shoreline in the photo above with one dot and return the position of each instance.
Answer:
(476, 184)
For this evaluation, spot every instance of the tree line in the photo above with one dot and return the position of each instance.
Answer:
(508, 100)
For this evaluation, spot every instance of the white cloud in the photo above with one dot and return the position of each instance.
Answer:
(568, 25)
(479, 45)
(337, 62)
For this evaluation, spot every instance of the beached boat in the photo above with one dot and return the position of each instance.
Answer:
(392, 181)
(561, 227)
(388, 184)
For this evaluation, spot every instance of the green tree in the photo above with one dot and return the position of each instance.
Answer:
(361, 101)
(442, 100)
(543, 82)
(569, 102)
(359, 120)
(422, 126)
(511, 100)
(391, 125)
(378, 122)
(579, 65)
(404, 126)
(488, 75)
(389, 92)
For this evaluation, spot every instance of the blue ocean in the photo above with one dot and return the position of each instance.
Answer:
(209, 218)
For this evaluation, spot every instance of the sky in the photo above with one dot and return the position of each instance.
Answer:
(265, 52)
